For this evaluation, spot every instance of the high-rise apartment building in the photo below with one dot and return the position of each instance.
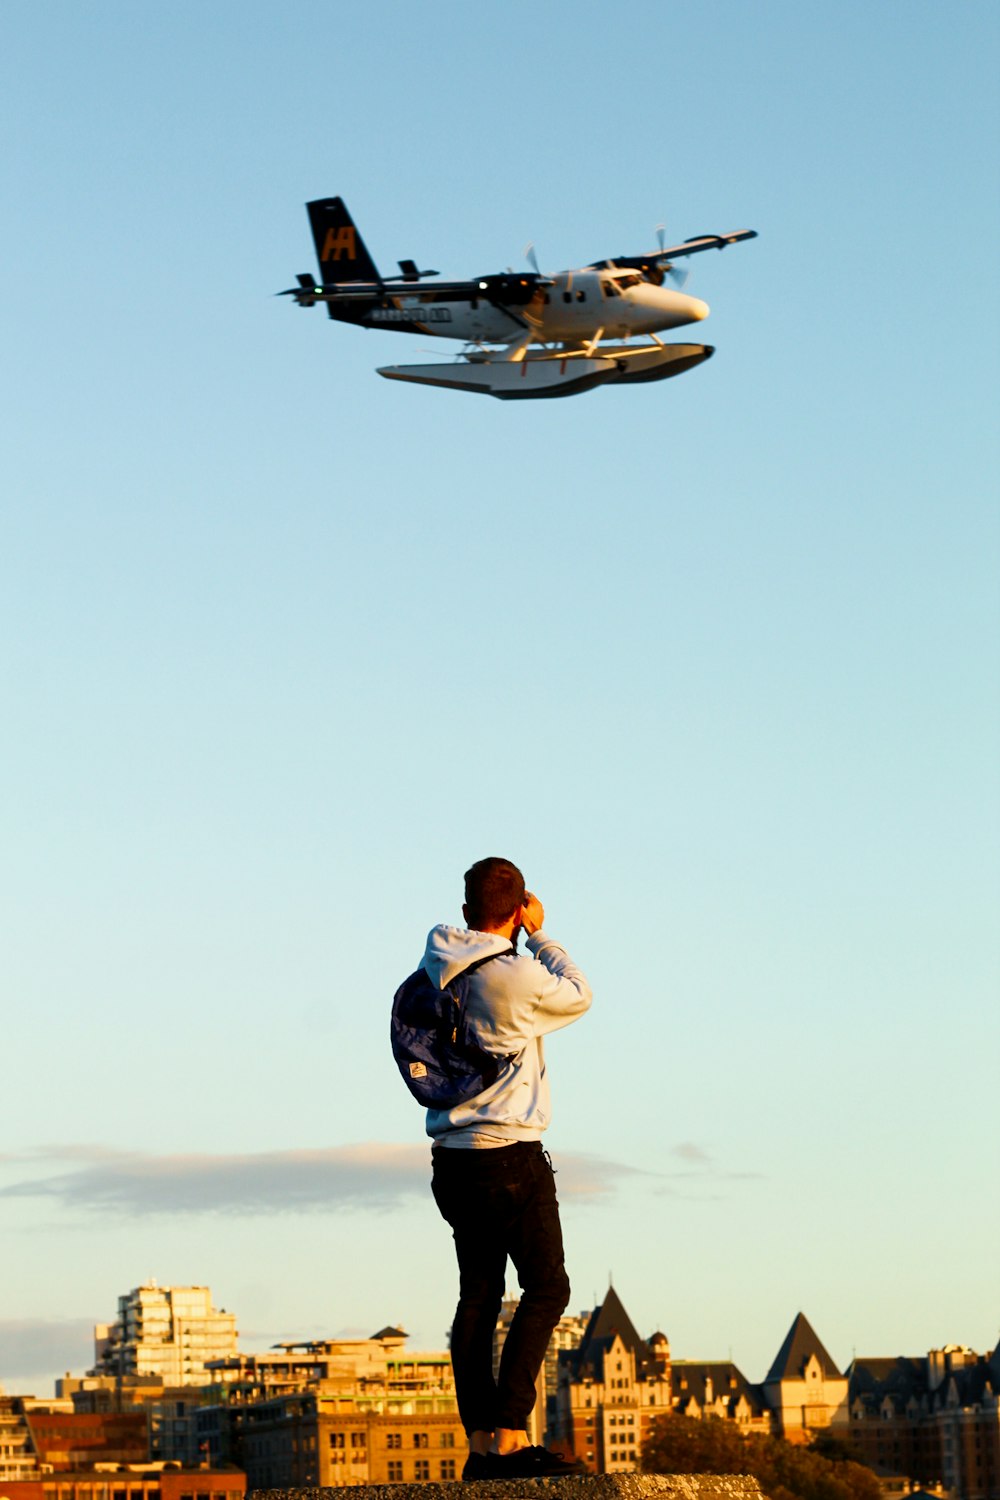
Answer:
(170, 1332)
(17, 1455)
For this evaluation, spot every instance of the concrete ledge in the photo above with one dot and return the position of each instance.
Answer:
(583, 1487)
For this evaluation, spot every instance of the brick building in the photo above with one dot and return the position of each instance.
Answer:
(934, 1419)
(131, 1484)
(610, 1389)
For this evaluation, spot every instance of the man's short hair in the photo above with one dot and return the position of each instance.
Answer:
(494, 889)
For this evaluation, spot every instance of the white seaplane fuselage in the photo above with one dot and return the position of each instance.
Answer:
(578, 308)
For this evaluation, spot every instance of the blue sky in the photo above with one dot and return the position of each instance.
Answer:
(286, 647)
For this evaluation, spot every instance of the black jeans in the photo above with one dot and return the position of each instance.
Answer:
(501, 1202)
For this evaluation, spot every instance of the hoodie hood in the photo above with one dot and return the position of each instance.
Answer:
(451, 949)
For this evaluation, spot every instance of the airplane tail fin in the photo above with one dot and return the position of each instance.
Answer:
(340, 249)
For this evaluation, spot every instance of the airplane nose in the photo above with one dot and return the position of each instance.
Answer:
(699, 309)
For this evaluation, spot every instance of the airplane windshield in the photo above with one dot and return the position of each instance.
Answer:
(628, 280)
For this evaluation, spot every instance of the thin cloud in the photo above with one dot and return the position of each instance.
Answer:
(37, 1346)
(691, 1152)
(366, 1176)
(701, 1167)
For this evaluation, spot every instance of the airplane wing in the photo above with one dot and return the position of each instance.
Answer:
(674, 252)
(505, 289)
(706, 242)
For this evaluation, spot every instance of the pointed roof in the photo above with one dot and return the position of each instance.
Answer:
(607, 1320)
(800, 1345)
(611, 1318)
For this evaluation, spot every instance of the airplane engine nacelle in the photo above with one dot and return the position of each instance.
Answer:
(507, 287)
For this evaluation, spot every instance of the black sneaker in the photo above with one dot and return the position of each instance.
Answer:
(530, 1463)
(475, 1468)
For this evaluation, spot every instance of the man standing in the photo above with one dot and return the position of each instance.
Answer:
(492, 1180)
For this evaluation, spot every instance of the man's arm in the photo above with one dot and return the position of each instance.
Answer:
(563, 994)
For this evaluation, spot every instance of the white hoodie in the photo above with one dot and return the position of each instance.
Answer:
(512, 1002)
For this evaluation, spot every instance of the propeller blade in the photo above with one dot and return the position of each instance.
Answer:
(531, 257)
(679, 278)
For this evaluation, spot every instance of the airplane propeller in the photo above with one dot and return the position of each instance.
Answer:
(679, 278)
(531, 257)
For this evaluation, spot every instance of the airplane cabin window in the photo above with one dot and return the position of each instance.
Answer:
(567, 296)
(581, 296)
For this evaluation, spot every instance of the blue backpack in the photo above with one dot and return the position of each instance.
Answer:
(437, 1055)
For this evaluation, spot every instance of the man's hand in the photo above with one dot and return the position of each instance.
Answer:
(532, 913)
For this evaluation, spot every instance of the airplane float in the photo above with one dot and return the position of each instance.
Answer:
(525, 335)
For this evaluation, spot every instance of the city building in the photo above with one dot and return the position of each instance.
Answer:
(718, 1389)
(335, 1412)
(171, 1394)
(18, 1459)
(610, 1389)
(934, 1419)
(803, 1389)
(52, 1454)
(169, 1332)
(137, 1482)
(74, 1440)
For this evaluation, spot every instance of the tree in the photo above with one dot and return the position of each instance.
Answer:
(785, 1471)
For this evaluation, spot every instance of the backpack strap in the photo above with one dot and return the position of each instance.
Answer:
(478, 964)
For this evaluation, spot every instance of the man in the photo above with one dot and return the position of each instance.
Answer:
(491, 1179)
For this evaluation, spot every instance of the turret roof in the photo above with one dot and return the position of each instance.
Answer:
(801, 1343)
(607, 1320)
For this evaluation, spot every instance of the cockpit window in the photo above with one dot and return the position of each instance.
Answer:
(628, 280)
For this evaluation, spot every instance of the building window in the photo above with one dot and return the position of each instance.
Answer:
(395, 1471)
(394, 1440)
(421, 1469)
(447, 1468)
(447, 1440)
(420, 1440)
(336, 1439)
(359, 1440)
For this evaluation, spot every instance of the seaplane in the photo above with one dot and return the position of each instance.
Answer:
(525, 335)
